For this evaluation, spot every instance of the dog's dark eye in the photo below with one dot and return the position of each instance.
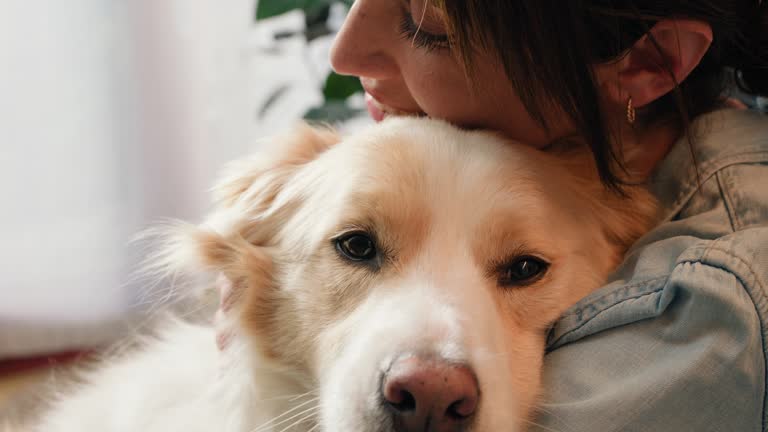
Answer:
(356, 247)
(523, 271)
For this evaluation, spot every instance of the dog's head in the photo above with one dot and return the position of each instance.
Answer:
(408, 274)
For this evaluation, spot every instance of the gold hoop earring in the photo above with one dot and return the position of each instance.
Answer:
(631, 113)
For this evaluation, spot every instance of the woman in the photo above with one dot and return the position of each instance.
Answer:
(676, 341)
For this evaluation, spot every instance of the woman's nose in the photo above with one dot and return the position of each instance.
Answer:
(366, 44)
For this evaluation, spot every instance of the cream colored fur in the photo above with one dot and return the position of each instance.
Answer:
(314, 331)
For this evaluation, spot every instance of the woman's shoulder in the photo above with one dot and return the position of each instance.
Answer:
(722, 274)
(722, 166)
(712, 237)
(679, 329)
(674, 337)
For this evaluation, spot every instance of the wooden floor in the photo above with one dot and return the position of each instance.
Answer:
(14, 383)
(25, 382)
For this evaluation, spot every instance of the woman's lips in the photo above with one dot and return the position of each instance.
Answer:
(380, 111)
(377, 113)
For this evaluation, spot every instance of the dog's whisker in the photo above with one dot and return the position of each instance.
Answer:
(308, 417)
(532, 423)
(309, 412)
(289, 398)
(303, 395)
(288, 412)
(543, 409)
(191, 312)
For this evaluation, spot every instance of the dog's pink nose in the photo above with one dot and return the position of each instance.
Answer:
(428, 393)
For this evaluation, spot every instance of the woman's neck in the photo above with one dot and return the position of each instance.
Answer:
(645, 148)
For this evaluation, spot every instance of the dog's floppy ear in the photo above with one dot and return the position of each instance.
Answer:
(181, 249)
(247, 213)
(238, 237)
(238, 260)
(229, 240)
(278, 157)
(246, 195)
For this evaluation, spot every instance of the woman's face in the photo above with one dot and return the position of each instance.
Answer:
(405, 70)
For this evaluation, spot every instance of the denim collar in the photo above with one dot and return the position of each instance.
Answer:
(720, 138)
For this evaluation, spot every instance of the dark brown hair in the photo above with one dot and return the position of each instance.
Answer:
(548, 47)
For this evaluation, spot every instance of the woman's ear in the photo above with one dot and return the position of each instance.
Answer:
(656, 62)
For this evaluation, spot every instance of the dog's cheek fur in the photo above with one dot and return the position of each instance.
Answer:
(243, 241)
(280, 315)
(250, 269)
(323, 291)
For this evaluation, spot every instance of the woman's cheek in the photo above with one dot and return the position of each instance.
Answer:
(442, 94)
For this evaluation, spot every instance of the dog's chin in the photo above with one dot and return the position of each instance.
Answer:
(364, 413)
(351, 379)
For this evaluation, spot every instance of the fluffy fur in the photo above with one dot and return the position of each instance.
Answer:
(448, 210)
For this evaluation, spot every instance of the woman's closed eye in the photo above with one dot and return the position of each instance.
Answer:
(412, 28)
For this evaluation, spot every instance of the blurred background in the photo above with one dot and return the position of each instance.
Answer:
(118, 114)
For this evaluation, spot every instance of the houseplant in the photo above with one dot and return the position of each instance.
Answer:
(336, 88)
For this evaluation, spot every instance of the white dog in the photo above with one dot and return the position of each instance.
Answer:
(401, 279)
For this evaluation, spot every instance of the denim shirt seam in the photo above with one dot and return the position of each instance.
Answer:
(584, 321)
(710, 168)
(608, 308)
(703, 259)
(730, 207)
(623, 299)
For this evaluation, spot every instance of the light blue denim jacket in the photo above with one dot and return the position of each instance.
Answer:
(677, 340)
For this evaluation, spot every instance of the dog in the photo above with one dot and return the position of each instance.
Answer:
(402, 278)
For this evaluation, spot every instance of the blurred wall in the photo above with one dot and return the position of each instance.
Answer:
(113, 114)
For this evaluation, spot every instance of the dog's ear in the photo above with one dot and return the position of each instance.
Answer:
(247, 217)
(624, 217)
(278, 156)
(182, 249)
(243, 263)
(230, 239)
(624, 214)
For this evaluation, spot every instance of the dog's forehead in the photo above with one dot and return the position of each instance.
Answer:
(414, 179)
(453, 170)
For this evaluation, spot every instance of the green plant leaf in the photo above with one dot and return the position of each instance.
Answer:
(270, 8)
(317, 9)
(340, 87)
(316, 21)
(332, 112)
